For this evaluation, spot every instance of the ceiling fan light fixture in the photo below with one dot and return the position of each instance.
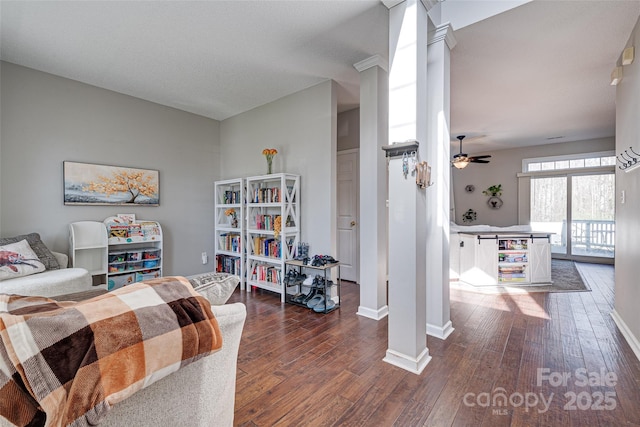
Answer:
(461, 163)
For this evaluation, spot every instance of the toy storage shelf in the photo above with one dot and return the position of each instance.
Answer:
(88, 248)
(271, 199)
(134, 252)
(229, 237)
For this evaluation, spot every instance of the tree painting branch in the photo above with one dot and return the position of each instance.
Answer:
(109, 185)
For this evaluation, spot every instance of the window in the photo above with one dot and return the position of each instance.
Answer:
(573, 198)
(572, 161)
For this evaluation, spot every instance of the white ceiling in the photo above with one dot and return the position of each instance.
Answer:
(539, 71)
(213, 58)
(535, 72)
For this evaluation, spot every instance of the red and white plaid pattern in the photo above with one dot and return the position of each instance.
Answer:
(65, 363)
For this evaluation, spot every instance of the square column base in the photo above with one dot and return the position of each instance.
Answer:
(379, 314)
(441, 332)
(408, 363)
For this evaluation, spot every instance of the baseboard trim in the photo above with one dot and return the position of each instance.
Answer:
(370, 313)
(413, 365)
(441, 332)
(626, 332)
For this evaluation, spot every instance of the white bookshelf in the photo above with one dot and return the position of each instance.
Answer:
(229, 242)
(269, 197)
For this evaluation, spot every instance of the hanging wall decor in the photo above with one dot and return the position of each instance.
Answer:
(494, 202)
(91, 184)
(469, 216)
(495, 191)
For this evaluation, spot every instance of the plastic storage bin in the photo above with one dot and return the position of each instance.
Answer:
(151, 254)
(120, 280)
(134, 265)
(117, 256)
(115, 267)
(151, 263)
(134, 255)
(147, 275)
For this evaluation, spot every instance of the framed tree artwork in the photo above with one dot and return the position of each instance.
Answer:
(93, 184)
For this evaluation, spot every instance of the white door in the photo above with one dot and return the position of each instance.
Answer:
(348, 214)
(540, 260)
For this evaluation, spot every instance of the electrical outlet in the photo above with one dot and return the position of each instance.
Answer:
(205, 259)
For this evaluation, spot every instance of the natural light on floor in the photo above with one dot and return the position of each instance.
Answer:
(515, 300)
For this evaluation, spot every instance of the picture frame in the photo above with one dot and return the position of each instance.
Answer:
(96, 184)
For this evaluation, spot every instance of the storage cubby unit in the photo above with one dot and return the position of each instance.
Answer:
(229, 242)
(488, 259)
(513, 260)
(134, 252)
(272, 228)
(88, 248)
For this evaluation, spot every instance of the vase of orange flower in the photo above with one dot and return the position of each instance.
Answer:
(233, 217)
(268, 154)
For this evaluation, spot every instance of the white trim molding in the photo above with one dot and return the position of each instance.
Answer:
(370, 313)
(391, 3)
(410, 364)
(372, 61)
(443, 32)
(441, 332)
(626, 332)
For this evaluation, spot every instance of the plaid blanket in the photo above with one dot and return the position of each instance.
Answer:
(67, 363)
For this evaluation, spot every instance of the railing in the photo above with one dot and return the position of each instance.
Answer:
(594, 237)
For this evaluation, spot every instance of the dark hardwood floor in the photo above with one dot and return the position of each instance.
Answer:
(296, 367)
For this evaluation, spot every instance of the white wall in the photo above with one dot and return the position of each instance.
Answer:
(502, 169)
(302, 127)
(349, 129)
(627, 291)
(48, 119)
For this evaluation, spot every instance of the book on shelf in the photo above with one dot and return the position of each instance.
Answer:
(228, 264)
(512, 257)
(231, 197)
(266, 246)
(266, 273)
(230, 242)
(264, 221)
(518, 279)
(512, 244)
(266, 195)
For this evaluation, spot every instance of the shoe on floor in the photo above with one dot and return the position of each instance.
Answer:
(320, 307)
(315, 300)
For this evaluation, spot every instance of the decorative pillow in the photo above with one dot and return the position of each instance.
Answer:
(42, 252)
(17, 260)
(216, 287)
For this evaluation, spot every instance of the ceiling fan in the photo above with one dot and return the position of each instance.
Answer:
(461, 160)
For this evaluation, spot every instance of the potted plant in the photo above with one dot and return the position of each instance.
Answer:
(494, 191)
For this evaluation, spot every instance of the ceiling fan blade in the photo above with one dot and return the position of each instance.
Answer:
(480, 157)
(472, 160)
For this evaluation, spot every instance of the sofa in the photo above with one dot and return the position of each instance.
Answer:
(50, 283)
(199, 394)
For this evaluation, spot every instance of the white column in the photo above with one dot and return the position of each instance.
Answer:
(441, 40)
(407, 202)
(374, 88)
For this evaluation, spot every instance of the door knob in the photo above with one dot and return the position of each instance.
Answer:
(353, 223)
